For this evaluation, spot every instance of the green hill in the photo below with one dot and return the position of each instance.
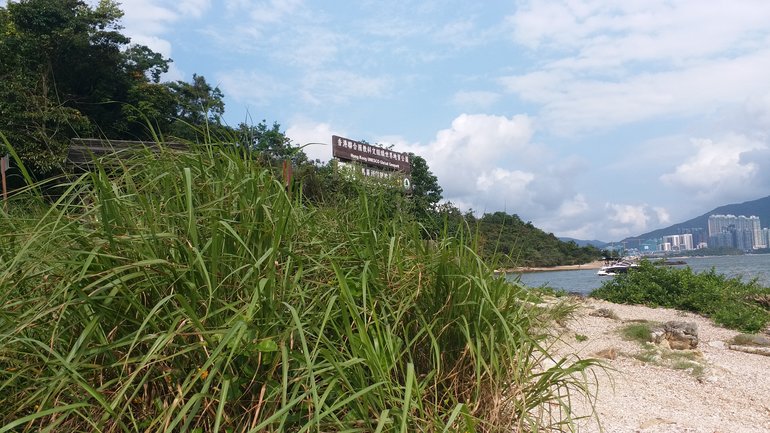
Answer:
(515, 243)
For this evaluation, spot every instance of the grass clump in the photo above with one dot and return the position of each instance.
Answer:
(640, 332)
(728, 301)
(674, 359)
(192, 291)
(757, 340)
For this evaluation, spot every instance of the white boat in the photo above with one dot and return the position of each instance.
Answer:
(619, 267)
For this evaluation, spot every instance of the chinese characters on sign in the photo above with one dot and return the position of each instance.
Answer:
(376, 161)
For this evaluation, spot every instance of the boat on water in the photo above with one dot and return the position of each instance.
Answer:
(618, 267)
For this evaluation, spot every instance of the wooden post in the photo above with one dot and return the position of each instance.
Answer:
(287, 173)
(3, 166)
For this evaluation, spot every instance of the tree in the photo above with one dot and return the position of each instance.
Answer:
(141, 60)
(270, 142)
(426, 192)
(198, 104)
(65, 73)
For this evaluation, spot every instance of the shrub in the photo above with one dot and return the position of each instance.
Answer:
(727, 300)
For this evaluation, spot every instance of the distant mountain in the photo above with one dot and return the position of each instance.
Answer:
(584, 243)
(759, 207)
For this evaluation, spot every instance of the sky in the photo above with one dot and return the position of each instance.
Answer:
(592, 119)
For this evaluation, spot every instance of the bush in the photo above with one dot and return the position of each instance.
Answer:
(727, 300)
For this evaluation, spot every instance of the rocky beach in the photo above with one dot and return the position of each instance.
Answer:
(646, 388)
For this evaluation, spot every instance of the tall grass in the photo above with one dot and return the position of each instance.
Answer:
(190, 292)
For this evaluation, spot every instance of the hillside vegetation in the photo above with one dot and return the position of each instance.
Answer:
(516, 243)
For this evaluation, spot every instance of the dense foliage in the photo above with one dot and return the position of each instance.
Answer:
(516, 243)
(729, 301)
(193, 292)
(68, 71)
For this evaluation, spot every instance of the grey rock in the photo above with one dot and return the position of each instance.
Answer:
(718, 344)
(604, 312)
(676, 335)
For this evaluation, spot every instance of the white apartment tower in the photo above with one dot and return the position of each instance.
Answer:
(677, 242)
(720, 223)
(740, 225)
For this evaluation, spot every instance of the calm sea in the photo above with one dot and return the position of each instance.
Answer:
(584, 281)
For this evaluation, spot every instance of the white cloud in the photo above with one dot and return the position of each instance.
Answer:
(633, 30)
(465, 156)
(460, 34)
(252, 88)
(572, 103)
(155, 43)
(265, 27)
(146, 21)
(633, 218)
(193, 8)
(574, 207)
(662, 215)
(609, 63)
(617, 221)
(490, 163)
(716, 168)
(303, 131)
(511, 184)
(310, 47)
(274, 11)
(757, 111)
(341, 86)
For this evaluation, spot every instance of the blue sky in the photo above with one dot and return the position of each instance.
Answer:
(592, 119)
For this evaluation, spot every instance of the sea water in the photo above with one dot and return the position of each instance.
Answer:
(585, 280)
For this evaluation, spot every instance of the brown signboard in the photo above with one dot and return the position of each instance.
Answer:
(348, 150)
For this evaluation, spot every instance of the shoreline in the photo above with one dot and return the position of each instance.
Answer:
(714, 388)
(597, 264)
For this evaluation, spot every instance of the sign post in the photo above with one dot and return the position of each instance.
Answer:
(376, 161)
(287, 173)
(3, 167)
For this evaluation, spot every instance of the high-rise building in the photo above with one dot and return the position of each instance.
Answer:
(720, 223)
(756, 231)
(677, 242)
(746, 232)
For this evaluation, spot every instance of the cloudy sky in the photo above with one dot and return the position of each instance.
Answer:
(593, 119)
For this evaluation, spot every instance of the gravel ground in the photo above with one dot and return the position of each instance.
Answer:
(728, 393)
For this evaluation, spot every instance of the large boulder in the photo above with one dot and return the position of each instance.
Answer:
(676, 335)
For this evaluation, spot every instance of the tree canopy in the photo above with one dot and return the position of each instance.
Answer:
(68, 71)
(426, 192)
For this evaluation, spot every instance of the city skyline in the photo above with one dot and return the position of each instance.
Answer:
(722, 231)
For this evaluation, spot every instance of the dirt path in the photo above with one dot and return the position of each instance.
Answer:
(713, 389)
